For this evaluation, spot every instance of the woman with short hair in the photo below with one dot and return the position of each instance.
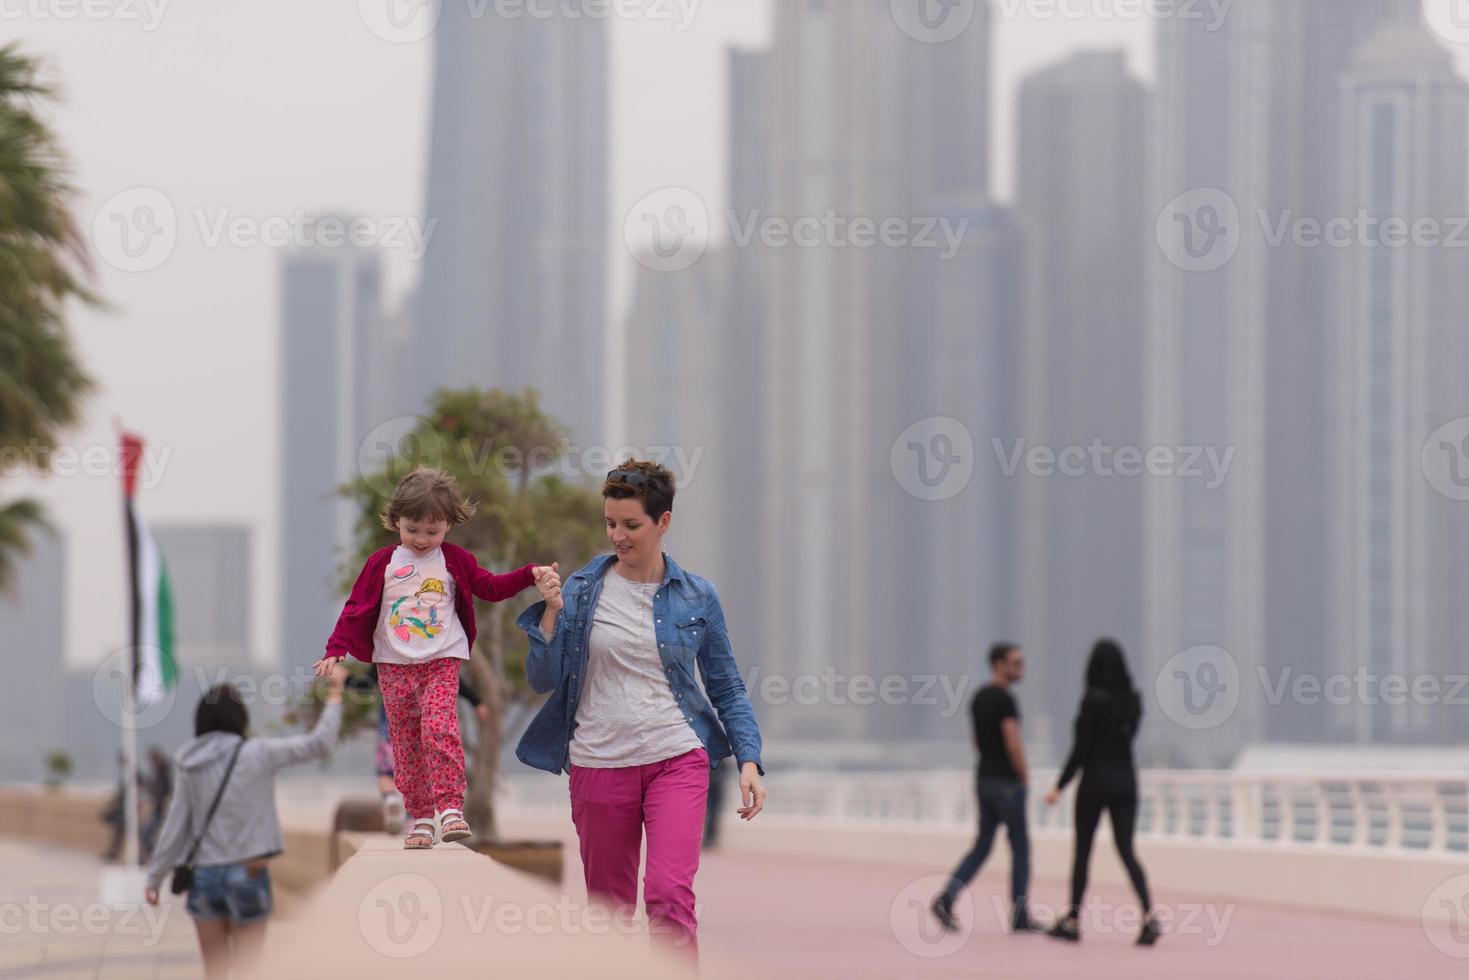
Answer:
(622, 647)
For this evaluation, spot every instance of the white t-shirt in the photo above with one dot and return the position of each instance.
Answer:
(417, 622)
(628, 715)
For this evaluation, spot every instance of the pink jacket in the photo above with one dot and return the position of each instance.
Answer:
(353, 634)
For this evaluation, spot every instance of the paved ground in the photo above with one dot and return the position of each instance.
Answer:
(780, 918)
(860, 921)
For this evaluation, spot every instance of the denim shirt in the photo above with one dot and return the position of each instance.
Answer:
(689, 625)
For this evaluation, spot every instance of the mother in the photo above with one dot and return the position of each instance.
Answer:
(619, 645)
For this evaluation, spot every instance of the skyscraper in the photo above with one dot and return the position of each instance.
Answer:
(836, 121)
(959, 564)
(1298, 536)
(674, 370)
(513, 292)
(742, 385)
(869, 123)
(1398, 602)
(1082, 165)
(330, 315)
(1227, 108)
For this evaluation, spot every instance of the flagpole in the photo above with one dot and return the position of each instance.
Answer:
(130, 683)
(131, 851)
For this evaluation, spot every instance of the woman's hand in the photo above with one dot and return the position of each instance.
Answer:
(336, 681)
(548, 582)
(324, 666)
(752, 791)
(1052, 797)
(150, 895)
(482, 711)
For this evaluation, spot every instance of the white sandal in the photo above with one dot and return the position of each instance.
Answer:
(421, 837)
(452, 826)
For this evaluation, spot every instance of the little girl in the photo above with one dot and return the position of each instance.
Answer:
(412, 614)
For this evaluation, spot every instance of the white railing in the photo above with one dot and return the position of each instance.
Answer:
(1423, 813)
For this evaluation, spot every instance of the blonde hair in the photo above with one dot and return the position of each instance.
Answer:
(427, 495)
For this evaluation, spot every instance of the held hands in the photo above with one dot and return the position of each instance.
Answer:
(548, 582)
(752, 792)
(1052, 797)
(150, 896)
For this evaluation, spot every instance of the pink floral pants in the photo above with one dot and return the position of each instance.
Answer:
(428, 756)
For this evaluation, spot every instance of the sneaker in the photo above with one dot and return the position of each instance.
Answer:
(943, 910)
(394, 815)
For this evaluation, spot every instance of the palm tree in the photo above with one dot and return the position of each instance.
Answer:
(42, 259)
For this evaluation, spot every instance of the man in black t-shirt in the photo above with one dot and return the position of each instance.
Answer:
(1000, 785)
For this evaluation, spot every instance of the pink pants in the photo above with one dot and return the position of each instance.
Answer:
(428, 758)
(611, 808)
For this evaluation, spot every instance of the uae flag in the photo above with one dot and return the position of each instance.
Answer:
(154, 668)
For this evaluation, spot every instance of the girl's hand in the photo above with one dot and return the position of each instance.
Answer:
(549, 584)
(482, 711)
(1052, 797)
(150, 895)
(324, 666)
(752, 791)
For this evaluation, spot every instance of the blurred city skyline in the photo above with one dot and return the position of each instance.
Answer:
(1063, 300)
(126, 123)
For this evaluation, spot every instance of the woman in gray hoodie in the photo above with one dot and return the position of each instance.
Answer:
(230, 898)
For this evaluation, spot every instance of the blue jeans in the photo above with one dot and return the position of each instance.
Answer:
(230, 891)
(1001, 801)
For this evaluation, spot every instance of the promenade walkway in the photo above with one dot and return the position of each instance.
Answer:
(763, 915)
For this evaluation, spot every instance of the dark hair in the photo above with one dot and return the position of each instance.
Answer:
(1106, 672)
(1000, 651)
(221, 710)
(655, 489)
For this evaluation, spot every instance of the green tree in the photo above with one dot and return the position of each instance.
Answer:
(492, 443)
(43, 258)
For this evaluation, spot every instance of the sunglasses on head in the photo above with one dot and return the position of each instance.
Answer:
(632, 478)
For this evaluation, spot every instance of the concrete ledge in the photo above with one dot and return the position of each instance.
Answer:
(1332, 879)
(73, 820)
(391, 912)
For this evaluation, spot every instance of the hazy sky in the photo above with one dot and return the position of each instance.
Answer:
(247, 111)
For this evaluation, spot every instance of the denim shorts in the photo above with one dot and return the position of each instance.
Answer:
(229, 891)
